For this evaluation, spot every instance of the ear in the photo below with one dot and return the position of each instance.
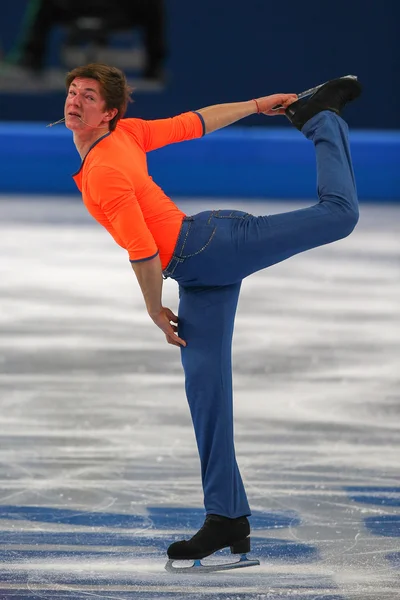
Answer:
(110, 114)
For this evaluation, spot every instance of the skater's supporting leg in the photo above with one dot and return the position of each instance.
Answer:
(206, 319)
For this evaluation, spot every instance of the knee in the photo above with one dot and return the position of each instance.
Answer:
(343, 218)
(349, 220)
(196, 365)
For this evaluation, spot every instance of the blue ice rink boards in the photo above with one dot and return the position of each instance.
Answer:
(236, 162)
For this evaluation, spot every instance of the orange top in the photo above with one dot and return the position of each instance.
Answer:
(119, 193)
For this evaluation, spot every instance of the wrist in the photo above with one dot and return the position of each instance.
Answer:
(256, 106)
(153, 313)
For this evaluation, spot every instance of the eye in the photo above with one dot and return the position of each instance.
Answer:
(71, 93)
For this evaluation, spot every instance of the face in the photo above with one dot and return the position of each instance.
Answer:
(84, 106)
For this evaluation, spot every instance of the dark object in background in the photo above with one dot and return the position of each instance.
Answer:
(93, 21)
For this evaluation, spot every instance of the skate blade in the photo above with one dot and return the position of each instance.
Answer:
(198, 566)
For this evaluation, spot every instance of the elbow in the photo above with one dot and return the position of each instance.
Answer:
(142, 260)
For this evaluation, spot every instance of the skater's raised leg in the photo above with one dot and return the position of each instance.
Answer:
(243, 244)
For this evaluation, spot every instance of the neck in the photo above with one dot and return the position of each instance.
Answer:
(84, 140)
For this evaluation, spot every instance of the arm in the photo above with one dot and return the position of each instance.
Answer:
(149, 276)
(221, 115)
(157, 133)
(112, 201)
(190, 125)
(120, 213)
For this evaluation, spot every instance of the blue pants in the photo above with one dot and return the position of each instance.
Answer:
(215, 251)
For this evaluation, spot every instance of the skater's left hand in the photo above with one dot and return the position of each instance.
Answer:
(168, 323)
(267, 103)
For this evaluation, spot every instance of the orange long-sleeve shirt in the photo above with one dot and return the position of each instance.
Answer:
(119, 193)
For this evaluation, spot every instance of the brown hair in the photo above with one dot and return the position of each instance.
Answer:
(115, 90)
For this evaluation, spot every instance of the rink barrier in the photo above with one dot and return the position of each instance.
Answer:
(238, 162)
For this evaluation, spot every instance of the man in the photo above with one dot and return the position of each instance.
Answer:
(208, 254)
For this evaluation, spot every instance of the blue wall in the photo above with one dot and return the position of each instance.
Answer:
(221, 51)
(234, 50)
(235, 162)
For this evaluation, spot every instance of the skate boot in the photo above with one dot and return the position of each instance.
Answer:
(217, 532)
(333, 96)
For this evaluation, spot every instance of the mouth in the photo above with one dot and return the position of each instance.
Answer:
(74, 114)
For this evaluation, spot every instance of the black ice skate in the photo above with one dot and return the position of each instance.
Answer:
(217, 533)
(333, 96)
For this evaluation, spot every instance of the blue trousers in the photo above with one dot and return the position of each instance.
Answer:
(215, 251)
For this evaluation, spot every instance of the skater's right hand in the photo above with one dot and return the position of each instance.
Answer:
(168, 323)
(267, 103)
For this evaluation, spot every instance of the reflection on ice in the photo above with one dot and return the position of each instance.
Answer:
(98, 465)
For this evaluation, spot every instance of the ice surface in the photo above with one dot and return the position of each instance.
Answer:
(98, 464)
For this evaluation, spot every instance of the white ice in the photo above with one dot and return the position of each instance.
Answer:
(94, 420)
